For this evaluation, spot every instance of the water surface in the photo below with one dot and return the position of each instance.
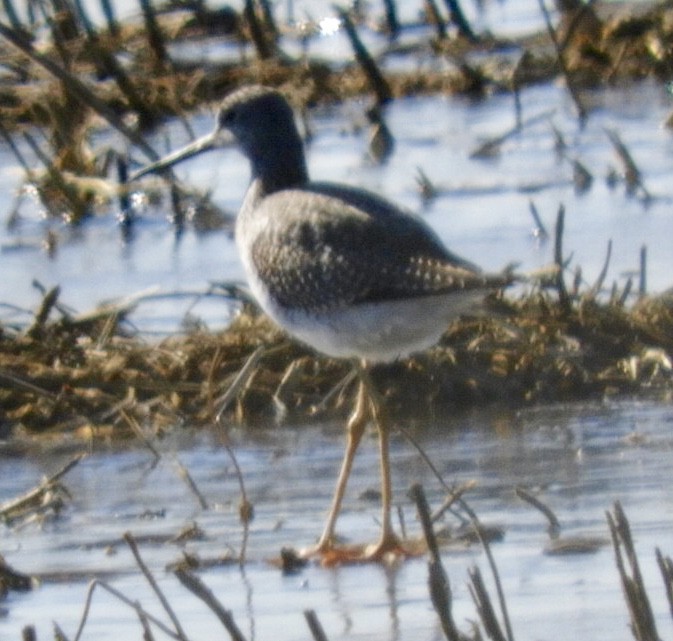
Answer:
(578, 460)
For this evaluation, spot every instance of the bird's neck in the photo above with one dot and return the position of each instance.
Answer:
(280, 164)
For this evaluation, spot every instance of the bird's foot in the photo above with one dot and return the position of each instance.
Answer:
(388, 550)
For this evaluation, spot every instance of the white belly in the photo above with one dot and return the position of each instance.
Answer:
(377, 332)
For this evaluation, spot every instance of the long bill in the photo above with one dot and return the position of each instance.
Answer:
(205, 143)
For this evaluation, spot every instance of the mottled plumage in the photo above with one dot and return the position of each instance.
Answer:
(339, 268)
(333, 254)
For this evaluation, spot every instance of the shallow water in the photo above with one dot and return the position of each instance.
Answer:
(579, 460)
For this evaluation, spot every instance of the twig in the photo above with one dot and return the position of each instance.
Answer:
(124, 599)
(130, 541)
(642, 619)
(269, 20)
(97, 583)
(31, 176)
(144, 622)
(287, 382)
(28, 633)
(564, 300)
(574, 92)
(78, 206)
(454, 495)
(337, 389)
(459, 19)
(259, 39)
(154, 35)
(554, 525)
(494, 569)
(579, 15)
(478, 531)
(632, 175)
(194, 584)
(19, 382)
(540, 231)
(435, 18)
(582, 177)
(110, 17)
(59, 635)
(187, 477)
(137, 430)
(238, 383)
(78, 89)
(642, 281)
(484, 605)
(315, 626)
(440, 588)
(666, 567)
(379, 84)
(489, 147)
(596, 288)
(245, 508)
(625, 293)
(13, 17)
(110, 65)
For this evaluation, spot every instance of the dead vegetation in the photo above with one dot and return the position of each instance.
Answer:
(84, 376)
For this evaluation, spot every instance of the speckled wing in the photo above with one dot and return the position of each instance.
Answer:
(344, 247)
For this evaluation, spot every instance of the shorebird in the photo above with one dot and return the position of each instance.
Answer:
(339, 268)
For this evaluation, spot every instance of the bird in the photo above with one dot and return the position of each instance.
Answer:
(339, 268)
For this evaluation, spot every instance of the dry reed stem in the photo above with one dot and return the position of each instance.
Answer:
(184, 474)
(564, 299)
(419, 498)
(642, 619)
(509, 636)
(97, 583)
(245, 509)
(371, 70)
(78, 89)
(560, 54)
(438, 581)
(197, 587)
(666, 568)
(484, 606)
(28, 633)
(130, 541)
(315, 626)
(554, 525)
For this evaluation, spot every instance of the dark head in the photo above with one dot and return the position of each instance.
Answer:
(263, 126)
(261, 123)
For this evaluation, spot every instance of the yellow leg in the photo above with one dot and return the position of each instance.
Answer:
(368, 405)
(388, 541)
(356, 428)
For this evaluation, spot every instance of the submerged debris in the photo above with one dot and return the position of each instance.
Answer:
(45, 499)
(12, 581)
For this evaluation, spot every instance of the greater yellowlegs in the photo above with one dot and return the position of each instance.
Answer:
(341, 269)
